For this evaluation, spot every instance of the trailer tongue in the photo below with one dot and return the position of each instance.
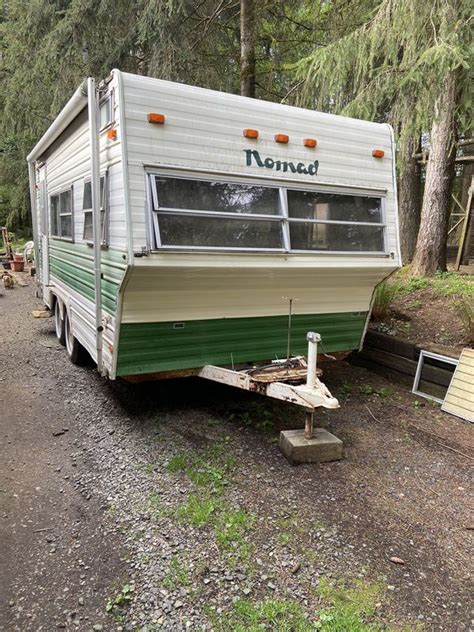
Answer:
(282, 380)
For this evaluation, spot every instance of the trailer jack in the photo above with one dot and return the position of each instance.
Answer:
(282, 380)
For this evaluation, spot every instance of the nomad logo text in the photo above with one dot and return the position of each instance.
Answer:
(253, 157)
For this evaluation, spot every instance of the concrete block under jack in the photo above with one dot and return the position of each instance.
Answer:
(321, 448)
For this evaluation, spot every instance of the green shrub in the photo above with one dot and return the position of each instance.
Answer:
(385, 294)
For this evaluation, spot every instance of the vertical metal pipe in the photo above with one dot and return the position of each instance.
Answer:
(288, 348)
(308, 426)
(34, 217)
(93, 109)
(313, 340)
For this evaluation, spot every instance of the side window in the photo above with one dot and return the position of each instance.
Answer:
(106, 112)
(88, 234)
(60, 208)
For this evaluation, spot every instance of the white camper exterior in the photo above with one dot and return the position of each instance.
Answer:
(203, 233)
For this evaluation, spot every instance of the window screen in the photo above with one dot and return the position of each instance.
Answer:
(212, 214)
(60, 206)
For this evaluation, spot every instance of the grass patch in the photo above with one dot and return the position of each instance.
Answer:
(443, 284)
(209, 471)
(257, 415)
(282, 615)
(178, 575)
(116, 605)
(209, 468)
(198, 511)
(177, 463)
(349, 608)
(230, 530)
(229, 525)
(383, 391)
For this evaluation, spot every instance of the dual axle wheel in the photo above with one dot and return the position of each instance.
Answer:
(62, 325)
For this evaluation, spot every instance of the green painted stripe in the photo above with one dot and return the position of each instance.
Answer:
(154, 347)
(73, 264)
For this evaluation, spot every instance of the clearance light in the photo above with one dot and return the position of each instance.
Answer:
(310, 142)
(281, 138)
(156, 119)
(112, 134)
(378, 153)
(250, 133)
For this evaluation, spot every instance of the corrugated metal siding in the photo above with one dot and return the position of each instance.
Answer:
(459, 399)
(73, 264)
(188, 292)
(203, 130)
(154, 347)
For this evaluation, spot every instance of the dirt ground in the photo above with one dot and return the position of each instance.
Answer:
(92, 503)
(429, 316)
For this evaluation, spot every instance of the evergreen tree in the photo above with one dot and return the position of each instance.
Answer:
(388, 61)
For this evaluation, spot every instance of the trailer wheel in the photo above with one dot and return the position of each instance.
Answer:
(59, 323)
(76, 352)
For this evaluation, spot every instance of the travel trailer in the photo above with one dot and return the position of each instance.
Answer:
(176, 227)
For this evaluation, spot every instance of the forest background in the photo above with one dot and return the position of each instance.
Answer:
(404, 62)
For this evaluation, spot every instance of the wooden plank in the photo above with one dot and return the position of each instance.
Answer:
(390, 360)
(457, 394)
(459, 399)
(391, 344)
(467, 216)
(433, 374)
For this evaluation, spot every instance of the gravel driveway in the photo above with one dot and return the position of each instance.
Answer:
(168, 506)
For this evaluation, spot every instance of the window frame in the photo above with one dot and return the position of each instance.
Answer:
(107, 98)
(57, 194)
(105, 227)
(283, 217)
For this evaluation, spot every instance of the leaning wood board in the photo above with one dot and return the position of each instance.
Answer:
(459, 399)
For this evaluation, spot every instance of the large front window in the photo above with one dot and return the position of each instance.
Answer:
(206, 214)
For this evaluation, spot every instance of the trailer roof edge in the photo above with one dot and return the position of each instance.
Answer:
(73, 107)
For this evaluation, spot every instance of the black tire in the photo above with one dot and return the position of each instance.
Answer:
(76, 352)
(59, 323)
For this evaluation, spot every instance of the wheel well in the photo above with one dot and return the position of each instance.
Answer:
(55, 299)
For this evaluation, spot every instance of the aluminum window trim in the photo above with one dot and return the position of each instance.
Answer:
(216, 214)
(419, 368)
(283, 218)
(105, 209)
(70, 213)
(294, 220)
(254, 178)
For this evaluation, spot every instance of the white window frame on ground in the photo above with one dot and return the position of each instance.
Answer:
(281, 216)
(57, 194)
(419, 369)
(104, 212)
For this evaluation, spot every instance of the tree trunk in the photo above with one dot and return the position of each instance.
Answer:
(409, 199)
(466, 183)
(247, 48)
(430, 253)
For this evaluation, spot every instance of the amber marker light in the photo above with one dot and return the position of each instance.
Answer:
(378, 153)
(251, 133)
(281, 138)
(112, 134)
(310, 142)
(156, 119)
